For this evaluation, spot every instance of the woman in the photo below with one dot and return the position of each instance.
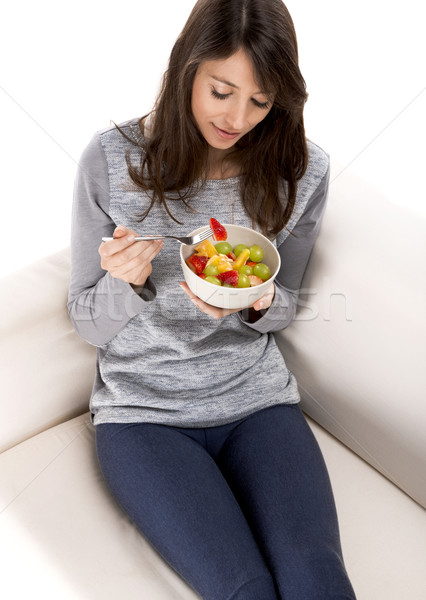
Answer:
(198, 430)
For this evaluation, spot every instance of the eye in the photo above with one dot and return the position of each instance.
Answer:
(219, 96)
(264, 105)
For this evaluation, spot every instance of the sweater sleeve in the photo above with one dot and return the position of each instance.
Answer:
(99, 305)
(294, 252)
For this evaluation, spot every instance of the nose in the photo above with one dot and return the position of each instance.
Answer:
(237, 116)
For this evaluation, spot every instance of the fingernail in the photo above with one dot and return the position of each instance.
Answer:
(130, 238)
(261, 305)
(194, 301)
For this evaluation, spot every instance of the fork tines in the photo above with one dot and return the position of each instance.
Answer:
(206, 234)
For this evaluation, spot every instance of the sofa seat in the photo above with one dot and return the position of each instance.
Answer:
(62, 522)
(67, 538)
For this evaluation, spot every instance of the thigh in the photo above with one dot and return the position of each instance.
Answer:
(176, 495)
(274, 465)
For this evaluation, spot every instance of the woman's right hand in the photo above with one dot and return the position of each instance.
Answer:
(126, 259)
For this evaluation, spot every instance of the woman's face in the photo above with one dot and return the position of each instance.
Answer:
(226, 100)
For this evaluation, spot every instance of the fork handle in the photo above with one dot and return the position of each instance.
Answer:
(147, 238)
(139, 238)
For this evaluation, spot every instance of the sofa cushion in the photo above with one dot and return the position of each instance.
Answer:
(59, 518)
(47, 370)
(61, 526)
(358, 344)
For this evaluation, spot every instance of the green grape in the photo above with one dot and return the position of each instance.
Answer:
(256, 253)
(211, 270)
(227, 285)
(223, 248)
(243, 281)
(263, 271)
(214, 280)
(238, 249)
(246, 270)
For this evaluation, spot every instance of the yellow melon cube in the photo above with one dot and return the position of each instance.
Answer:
(213, 260)
(241, 259)
(206, 248)
(224, 266)
(222, 262)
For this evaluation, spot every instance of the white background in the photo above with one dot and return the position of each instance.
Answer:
(69, 69)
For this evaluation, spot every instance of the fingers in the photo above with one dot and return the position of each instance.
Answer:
(208, 309)
(126, 259)
(187, 291)
(266, 300)
(121, 231)
(218, 313)
(124, 254)
(123, 238)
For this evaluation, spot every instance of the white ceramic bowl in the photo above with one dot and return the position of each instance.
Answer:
(226, 297)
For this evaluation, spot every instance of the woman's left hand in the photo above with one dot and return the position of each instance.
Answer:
(218, 313)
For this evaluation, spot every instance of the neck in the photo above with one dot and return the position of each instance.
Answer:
(219, 167)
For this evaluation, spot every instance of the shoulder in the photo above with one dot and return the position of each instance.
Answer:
(105, 151)
(110, 137)
(311, 188)
(108, 146)
(318, 165)
(121, 134)
(315, 178)
(129, 127)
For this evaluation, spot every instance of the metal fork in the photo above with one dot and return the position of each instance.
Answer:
(188, 240)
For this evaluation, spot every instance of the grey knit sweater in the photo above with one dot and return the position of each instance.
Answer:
(159, 359)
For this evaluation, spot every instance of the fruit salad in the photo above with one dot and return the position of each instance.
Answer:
(221, 264)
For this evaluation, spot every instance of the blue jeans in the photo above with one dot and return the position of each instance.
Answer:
(242, 511)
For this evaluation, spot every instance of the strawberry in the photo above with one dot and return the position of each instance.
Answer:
(230, 277)
(250, 263)
(198, 263)
(254, 280)
(231, 255)
(219, 231)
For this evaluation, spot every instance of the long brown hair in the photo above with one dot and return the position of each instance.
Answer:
(273, 155)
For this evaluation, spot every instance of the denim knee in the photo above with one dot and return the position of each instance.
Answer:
(260, 587)
(318, 575)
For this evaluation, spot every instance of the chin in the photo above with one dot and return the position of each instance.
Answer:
(224, 146)
(221, 144)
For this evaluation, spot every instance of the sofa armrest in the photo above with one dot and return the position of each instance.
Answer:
(358, 344)
(47, 370)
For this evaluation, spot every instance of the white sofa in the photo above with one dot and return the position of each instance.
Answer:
(357, 348)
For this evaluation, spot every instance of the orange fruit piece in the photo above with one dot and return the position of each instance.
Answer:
(241, 259)
(222, 262)
(206, 248)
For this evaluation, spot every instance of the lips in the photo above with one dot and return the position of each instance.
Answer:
(226, 135)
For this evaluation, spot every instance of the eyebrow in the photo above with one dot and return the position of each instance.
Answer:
(233, 85)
